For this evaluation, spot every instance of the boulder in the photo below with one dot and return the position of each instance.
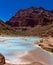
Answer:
(2, 59)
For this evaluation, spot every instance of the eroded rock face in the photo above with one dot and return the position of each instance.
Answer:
(32, 22)
(46, 43)
(31, 17)
(2, 59)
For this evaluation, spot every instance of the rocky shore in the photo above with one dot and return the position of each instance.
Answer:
(46, 43)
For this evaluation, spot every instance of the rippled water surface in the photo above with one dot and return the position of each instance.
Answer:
(14, 47)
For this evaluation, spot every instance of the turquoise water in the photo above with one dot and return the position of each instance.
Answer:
(9, 45)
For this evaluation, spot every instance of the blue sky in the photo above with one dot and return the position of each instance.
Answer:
(9, 7)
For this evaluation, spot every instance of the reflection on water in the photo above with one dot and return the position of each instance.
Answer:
(16, 47)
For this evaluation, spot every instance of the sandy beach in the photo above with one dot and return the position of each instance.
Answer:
(35, 57)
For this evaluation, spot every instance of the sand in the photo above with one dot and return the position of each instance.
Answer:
(35, 57)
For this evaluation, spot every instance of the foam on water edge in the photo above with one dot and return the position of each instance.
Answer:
(17, 47)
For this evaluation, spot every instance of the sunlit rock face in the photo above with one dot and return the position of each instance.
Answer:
(47, 44)
(31, 17)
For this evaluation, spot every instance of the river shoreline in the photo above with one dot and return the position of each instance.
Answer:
(22, 60)
(37, 56)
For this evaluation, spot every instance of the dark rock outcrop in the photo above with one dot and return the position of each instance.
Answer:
(2, 59)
